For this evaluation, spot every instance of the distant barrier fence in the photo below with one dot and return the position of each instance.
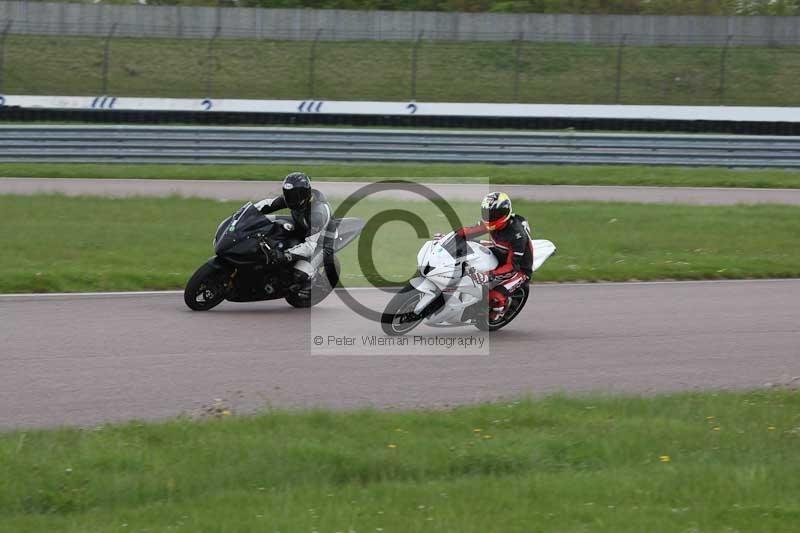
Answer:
(58, 18)
(523, 71)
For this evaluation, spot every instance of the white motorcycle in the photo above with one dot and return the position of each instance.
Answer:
(444, 295)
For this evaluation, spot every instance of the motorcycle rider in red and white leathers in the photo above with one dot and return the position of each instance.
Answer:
(511, 244)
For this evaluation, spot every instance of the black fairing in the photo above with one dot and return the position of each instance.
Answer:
(238, 237)
(221, 229)
(238, 246)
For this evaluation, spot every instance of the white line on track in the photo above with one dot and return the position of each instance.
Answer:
(46, 295)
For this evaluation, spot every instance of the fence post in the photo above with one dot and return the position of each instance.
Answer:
(620, 47)
(210, 62)
(3, 35)
(414, 58)
(722, 66)
(312, 60)
(517, 65)
(107, 58)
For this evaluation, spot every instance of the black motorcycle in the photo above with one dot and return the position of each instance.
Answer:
(242, 270)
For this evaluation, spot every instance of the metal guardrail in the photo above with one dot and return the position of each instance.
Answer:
(189, 144)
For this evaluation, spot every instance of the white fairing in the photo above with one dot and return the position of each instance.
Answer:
(444, 270)
(441, 273)
(423, 254)
(542, 250)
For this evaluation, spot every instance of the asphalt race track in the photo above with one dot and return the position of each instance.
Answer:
(89, 359)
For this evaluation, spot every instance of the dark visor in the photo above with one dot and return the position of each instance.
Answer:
(296, 196)
(491, 215)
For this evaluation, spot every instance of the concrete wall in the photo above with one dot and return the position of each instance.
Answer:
(396, 109)
(302, 24)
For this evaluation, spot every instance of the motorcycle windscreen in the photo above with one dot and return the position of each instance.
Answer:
(455, 245)
(222, 228)
(542, 250)
(244, 221)
(226, 236)
(252, 220)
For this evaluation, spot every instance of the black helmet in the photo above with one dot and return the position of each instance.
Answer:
(296, 190)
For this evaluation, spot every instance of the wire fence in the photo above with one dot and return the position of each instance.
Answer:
(621, 71)
(220, 27)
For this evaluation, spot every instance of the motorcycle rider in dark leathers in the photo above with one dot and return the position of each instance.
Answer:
(312, 219)
(511, 244)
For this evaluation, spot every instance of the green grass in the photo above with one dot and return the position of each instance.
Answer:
(441, 173)
(55, 243)
(446, 71)
(591, 463)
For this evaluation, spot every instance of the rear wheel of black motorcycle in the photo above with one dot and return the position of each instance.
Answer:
(207, 288)
(517, 301)
(322, 286)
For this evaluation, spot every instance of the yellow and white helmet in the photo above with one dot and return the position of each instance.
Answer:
(496, 210)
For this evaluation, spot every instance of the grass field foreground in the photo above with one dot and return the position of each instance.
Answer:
(662, 176)
(701, 462)
(56, 243)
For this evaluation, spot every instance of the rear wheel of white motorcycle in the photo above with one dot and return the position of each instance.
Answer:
(321, 287)
(399, 318)
(517, 301)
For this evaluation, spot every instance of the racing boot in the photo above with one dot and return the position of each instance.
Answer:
(498, 305)
(301, 279)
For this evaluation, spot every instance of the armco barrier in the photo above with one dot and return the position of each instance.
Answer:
(192, 144)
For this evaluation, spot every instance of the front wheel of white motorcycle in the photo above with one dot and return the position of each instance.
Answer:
(516, 302)
(399, 317)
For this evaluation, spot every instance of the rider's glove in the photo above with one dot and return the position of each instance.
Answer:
(283, 257)
(481, 278)
(275, 256)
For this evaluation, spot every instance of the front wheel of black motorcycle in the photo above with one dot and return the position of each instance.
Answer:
(516, 302)
(207, 288)
(321, 286)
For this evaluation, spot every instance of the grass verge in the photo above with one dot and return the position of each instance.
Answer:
(701, 462)
(54, 243)
(467, 173)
